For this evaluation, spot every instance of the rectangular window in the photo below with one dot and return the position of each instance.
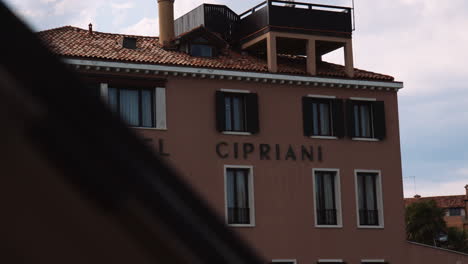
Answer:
(239, 195)
(363, 125)
(135, 106)
(369, 199)
(201, 50)
(327, 198)
(237, 112)
(323, 117)
(455, 211)
(366, 119)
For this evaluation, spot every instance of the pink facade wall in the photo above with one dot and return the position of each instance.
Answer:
(283, 190)
(424, 254)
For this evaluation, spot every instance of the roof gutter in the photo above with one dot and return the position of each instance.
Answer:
(108, 66)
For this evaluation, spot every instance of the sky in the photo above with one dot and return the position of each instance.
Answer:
(423, 43)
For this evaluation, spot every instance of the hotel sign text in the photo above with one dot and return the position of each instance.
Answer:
(245, 151)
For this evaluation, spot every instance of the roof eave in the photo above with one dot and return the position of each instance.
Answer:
(200, 72)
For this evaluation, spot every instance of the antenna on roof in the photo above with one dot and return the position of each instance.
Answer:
(414, 183)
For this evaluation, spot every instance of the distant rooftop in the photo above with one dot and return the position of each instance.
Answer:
(450, 201)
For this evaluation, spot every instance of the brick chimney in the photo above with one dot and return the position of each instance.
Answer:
(166, 21)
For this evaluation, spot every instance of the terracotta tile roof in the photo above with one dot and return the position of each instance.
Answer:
(452, 201)
(79, 43)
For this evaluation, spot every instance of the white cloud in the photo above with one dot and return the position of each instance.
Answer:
(463, 172)
(126, 5)
(120, 12)
(144, 27)
(433, 188)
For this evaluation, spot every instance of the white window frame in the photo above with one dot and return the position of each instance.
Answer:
(373, 261)
(284, 260)
(330, 260)
(366, 99)
(236, 133)
(339, 214)
(363, 99)
(251, 195)
(159, 111)
(321, 96)
(318, 96)
(379, 194)
(234, 91)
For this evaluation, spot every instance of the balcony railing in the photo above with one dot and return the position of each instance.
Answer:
(238, 215)
(327, 217)
(369, 217)
(296, 17)
(296, 5)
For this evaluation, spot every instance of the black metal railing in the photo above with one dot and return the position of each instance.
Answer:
(239, 216)
(327, 217)
(369, 217)
(296, 5)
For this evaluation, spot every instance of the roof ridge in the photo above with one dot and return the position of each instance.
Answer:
(97, 32)
(56, 28)
(440, 196)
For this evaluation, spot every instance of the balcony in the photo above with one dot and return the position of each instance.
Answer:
(302, 18)
(326, 217)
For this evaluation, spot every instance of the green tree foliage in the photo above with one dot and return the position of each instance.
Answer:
(457, 239)
(425, 222)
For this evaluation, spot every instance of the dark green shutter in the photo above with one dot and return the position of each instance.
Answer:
(220, 112)
(252, 113)
(338, 118)
(380, 130)
(350, 129)
(307, 115)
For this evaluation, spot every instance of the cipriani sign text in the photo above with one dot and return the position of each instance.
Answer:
(246, 151)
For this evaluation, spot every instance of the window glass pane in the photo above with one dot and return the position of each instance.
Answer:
(230, 188)
(238, 196)
(319, 191)
(368, 210)
(365, 121)
(112, 98)
(315, 116)
(200, 50)
(241, 187)
(129, 108)
(238, 113)
(356, 121)
(228, 112)
(325, 119)
(455, 212)
(361, 194)
(325, 198)
(370, 192)
(328, 184)
(147, 108)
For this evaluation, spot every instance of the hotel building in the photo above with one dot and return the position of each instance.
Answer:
(300, 156)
